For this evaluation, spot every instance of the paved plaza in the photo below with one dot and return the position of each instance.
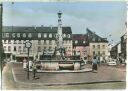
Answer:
(14, 74)
(105, 73)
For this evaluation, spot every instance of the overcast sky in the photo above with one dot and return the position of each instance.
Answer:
(103, 18)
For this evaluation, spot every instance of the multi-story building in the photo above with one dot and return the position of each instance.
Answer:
(123, 45)
(115, 51)
(90, 45)
(42, 39)
(98, 46)
(80, 45)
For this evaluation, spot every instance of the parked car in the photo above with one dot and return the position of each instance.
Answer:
(112, 63)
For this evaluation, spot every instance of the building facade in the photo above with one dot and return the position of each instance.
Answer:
(98, 46)
(89, 45)
(123, 45)
(42, 39)
(80, 45)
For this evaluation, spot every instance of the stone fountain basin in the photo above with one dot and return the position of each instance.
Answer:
(60, 65)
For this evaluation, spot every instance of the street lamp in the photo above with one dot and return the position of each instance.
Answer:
(28, 45)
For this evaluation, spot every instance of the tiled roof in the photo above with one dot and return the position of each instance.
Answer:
(79, 36)
(92, 37)
(35, 29)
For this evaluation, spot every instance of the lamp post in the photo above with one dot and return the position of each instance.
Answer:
(28, 45)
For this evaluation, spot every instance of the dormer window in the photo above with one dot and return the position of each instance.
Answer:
(7, 34)
(18, 34)
(39, 35)
(76, 41)
(13, 35)
(68, 35)
(45, 35)
(50, 35)
(29, 35)
(64, 35)
(24, 35)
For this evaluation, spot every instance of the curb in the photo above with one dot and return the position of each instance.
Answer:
(78, 71)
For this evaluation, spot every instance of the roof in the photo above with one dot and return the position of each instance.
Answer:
(92, 37)
(19, 29)
(34, 31)
(79, 36)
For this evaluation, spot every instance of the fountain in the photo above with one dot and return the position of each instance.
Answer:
(58, 60)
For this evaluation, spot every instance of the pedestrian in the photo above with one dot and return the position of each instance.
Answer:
(94, 64)
(30, 64)
(24, 63)
(34, 70)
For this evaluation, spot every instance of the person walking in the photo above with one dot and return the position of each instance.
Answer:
(34, 70)
(24, 63)
(94, 64)
(30, 64)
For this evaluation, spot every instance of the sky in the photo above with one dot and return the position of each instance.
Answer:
(103, 18)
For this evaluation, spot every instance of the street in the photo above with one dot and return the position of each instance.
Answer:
(86, 80)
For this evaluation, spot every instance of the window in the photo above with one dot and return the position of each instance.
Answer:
(3, 35)
(39, 35)
(13, 35)
(9, 41)
(103, 46)
(93, 52)
(9, 48)
(98, 52)
(24, 49)
(39, 42)
(70, 41)
(18, 34)
(39, 49)
(93, 46)
(45, 42)
(64, 35)
(24, 41)
(24, 35)
(76, 41)
(45, 35)
(4, 48)
(14, 48)
(45, 48)
(50, 48)
(69, 35)
(103, 52)
(5, 41)
(98, 46)
(15, 42)
(29, 35)
(20, 42)
(50, 42)
(7, 35)
(50, 35)
(19, 49)
(84, 42)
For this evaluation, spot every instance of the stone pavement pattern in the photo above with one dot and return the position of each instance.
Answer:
(105, 73)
